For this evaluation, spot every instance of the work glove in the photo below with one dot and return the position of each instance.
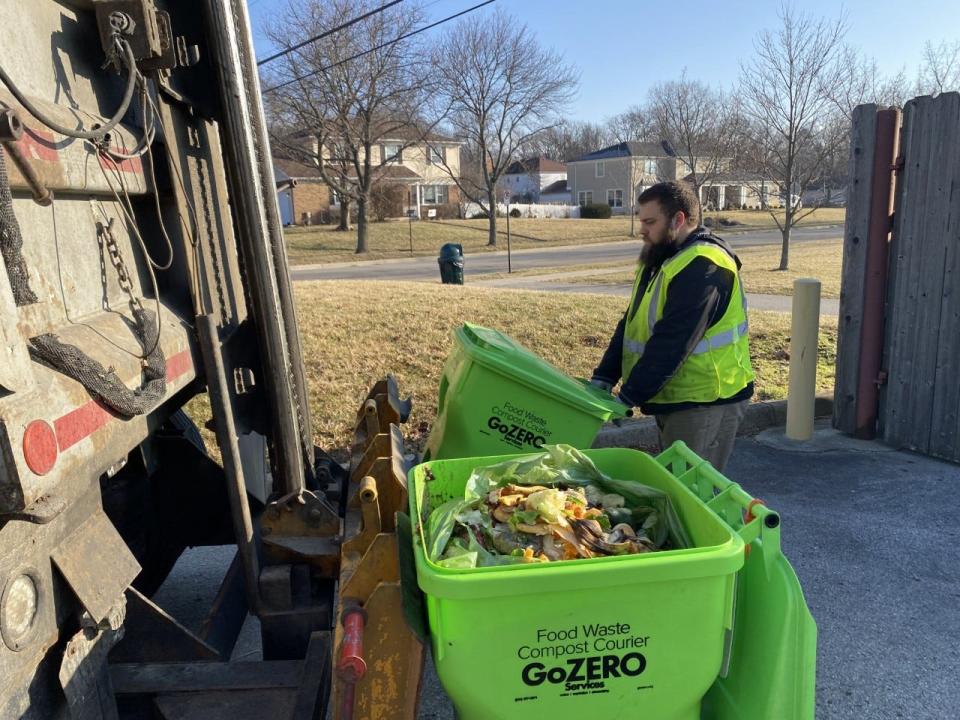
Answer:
(602, 384)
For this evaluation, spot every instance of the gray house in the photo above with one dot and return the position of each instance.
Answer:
(615, 175)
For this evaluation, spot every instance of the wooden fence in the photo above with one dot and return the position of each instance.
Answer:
(915, 292)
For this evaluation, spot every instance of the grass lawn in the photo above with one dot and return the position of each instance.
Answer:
(352, 337)
(818, 259)
(755, 219)
(391, 239)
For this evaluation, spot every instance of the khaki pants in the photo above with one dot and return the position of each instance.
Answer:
(708, 431)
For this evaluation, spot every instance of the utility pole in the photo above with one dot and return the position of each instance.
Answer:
(410, 212)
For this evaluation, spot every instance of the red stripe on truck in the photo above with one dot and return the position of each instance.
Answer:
(80, 423)
(38, 145)
(87, 419)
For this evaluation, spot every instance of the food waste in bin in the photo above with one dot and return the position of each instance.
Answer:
(550, 507)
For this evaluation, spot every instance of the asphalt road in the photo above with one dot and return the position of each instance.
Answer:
(425, 268)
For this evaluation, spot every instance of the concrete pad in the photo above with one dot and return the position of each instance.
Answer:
(825, 439)
(874, 537)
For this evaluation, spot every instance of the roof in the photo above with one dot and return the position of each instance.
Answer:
(560, 186)
(627, 149)
(287, 169)
(294, 168)
(733, 177)
(532, 165)
(396, 132)
(393, 172)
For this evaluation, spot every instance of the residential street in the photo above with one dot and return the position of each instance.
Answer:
(425, 268)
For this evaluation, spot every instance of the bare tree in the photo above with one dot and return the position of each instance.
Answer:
(698, 121)
(786, 92)
(566, 141)
(861, 81)
(939, 69)
(345, 103)
(497, 87)
(635, 124)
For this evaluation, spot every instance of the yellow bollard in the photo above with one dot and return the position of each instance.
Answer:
(804, 335)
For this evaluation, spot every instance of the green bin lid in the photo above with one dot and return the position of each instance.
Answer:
(508, 357)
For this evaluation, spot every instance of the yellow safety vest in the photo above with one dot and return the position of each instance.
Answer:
(719, 366)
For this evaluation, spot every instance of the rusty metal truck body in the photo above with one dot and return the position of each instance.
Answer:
(143, 264)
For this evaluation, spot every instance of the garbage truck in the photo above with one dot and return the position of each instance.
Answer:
(144, 274)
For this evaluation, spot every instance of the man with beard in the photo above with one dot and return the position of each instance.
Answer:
(681, 348)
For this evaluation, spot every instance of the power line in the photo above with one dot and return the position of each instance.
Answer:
(379, 47)
(329, 32)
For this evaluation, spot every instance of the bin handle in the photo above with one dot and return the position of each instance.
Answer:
(756, 521)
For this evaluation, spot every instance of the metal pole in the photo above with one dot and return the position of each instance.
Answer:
(260, 238)
(804, 335)
(875, 280)
(222, 408)
(509, 266)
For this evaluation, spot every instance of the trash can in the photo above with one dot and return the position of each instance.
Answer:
(710, 631)
(498, 397)
(451, 264)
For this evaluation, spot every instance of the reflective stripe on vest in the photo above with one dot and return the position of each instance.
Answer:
(728, 337)
(718, 365)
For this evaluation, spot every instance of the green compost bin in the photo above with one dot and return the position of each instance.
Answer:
(718, 631)
(498, 397)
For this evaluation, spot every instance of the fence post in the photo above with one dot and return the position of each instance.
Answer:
(804, 337)
(863, 135)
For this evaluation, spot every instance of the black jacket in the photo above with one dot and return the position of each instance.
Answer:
(696, 299)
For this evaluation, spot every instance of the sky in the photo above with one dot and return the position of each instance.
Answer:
(622, 48)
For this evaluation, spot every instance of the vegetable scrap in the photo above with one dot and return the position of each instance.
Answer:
(550, 507)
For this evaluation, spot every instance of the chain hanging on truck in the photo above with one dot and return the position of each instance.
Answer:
(101, 382)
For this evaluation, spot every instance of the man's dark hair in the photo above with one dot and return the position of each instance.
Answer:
(673, 197)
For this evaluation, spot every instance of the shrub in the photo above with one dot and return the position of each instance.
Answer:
(515, 213)
(598, 211)
(386, 201)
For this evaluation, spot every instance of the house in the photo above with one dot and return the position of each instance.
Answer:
(410, 174)
(526, 180)
(615, 175)
(285, 185)
(738, 190)
(557, 193)
(303, 197)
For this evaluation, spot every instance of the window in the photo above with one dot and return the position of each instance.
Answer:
(391, 154)
(585, 197)
(650, 167)
(334, 197)
(599, 168)
(434, 194)
(615, 198)
(434, 155)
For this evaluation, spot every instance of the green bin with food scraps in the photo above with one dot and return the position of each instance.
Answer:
(496, 397)
(595, 581)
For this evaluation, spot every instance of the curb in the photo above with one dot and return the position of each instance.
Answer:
(758, 416)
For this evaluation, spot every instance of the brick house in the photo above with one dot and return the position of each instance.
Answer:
(410, 175)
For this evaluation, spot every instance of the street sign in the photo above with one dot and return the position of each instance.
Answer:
(506, 196)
